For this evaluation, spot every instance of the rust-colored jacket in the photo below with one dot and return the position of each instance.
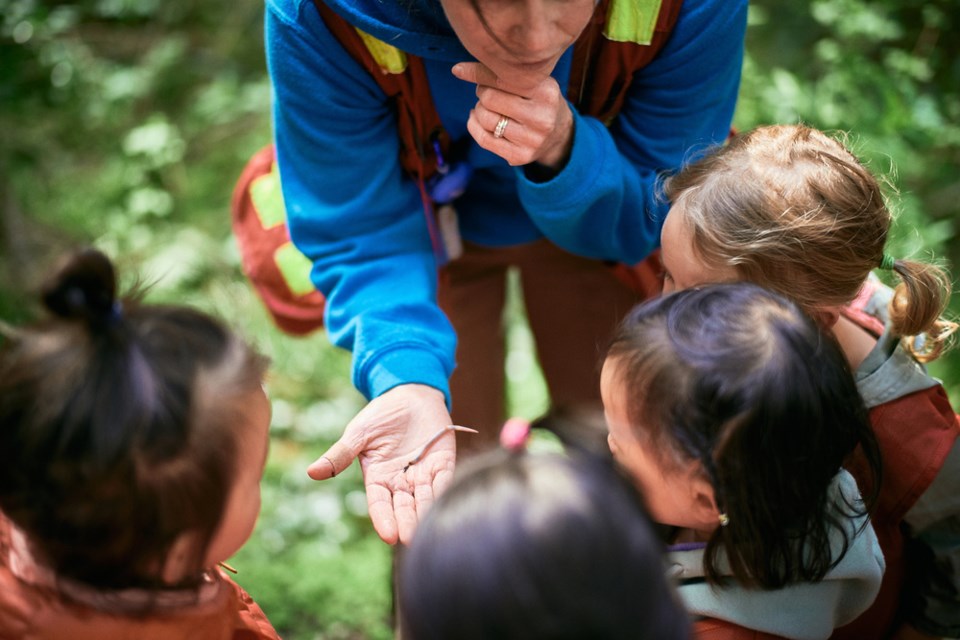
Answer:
(713, 629)
(34, 612)
(916, 429)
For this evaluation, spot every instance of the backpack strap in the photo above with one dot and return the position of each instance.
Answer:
(403, 79)
(622, 37)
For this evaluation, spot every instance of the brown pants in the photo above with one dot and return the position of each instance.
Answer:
(572, 304)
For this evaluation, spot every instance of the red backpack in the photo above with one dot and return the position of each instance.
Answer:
(600, 76)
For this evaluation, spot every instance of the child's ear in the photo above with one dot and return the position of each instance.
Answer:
(826, 317)
(704, 504)
(176, 566)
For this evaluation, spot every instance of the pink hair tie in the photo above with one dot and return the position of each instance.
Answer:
(514, 434)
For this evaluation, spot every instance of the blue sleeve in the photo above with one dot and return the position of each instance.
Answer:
(351, 209)
(604, 203)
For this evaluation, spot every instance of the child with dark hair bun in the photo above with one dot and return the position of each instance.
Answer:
(132, 445)
(528, 546)
(734, 415)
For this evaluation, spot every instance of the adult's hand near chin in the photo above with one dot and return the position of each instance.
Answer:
(540, 125)
(387, 435)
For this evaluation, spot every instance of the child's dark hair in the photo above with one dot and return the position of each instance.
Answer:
(118, 428)
(740, 380)
(537, 546)
(791, 209)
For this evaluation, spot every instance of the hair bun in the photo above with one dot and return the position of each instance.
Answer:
(83, 288)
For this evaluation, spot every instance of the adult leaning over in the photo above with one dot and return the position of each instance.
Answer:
(498, 71)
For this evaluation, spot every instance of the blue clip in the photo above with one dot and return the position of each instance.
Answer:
(442, 166)
(449, 185)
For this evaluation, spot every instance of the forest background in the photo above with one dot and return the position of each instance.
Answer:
(124, 124)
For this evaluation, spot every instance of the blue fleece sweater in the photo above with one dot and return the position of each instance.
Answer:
(354, 213)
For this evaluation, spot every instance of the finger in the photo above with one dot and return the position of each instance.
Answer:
(516, 142)
(483, 126)
(380, 506)
(477, 74)
(508, 104)
(484, 136)
(335, 461)
(489, 119)
(405, 512)
(505, 148)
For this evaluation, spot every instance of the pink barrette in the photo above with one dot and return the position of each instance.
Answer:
(515, 434)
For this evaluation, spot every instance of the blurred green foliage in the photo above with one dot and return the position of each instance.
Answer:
(126, 122)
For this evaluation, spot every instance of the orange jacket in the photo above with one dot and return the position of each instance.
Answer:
(35, 612)
(712, 629)
(915, 430)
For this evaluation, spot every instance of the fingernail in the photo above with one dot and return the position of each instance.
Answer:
(457, 70)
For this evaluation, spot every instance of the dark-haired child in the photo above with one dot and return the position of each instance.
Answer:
(133, 441)
(734, 413)
(526, 546)
(792, 209)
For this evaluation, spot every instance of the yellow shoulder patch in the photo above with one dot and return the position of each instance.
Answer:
(390, 59)
(632, 20)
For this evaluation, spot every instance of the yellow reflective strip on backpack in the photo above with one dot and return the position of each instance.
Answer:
(632, 20)
(267, 199)
(295, 268)
(390, 59)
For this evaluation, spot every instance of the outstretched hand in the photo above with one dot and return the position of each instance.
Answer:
(540, 125)
(387, 436)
